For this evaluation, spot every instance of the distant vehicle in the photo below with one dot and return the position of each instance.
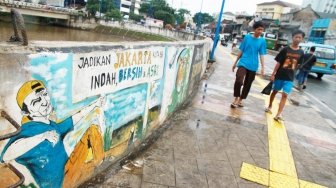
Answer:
(272, 40)
(224, 42)
(224, 38)
(326, 58)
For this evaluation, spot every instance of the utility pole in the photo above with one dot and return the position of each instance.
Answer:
(217, 33)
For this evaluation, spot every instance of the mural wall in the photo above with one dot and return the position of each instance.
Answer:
(79, 109)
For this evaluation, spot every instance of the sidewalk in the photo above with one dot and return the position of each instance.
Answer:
(207, 143)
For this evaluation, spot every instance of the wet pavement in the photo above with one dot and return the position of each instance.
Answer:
(207, 143)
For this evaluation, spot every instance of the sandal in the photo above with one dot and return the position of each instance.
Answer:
(233, 105)
(268, 110)
(278, 118)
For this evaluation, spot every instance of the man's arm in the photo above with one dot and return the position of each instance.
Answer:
(275, 71)
(86, 110)
(262, 60)
(22, 146)
(240, 53)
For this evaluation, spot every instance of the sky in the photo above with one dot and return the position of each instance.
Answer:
(213, 6)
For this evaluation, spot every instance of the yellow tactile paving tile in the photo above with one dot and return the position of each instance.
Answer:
(273, 179)
(305, 184)
(281, 158)
(255, 174)
(278, 180)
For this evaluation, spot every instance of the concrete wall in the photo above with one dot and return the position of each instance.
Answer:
(83, 106)
(175, 35)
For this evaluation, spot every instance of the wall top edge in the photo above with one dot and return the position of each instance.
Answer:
(73, 46)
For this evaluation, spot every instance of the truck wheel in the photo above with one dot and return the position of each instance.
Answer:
(319, 76)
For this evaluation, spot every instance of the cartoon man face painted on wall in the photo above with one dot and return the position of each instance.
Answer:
(34, 100)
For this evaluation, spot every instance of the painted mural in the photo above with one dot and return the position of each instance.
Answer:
(181, 68)
(196, 69)
(79, 109)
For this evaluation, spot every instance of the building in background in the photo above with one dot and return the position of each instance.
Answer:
(241, 26)
(56, 3)
(318, 26)
(274, 10)
(229, 16)
(127, 6)
(323, 31)
(153, 22)
(299, 19)
(136, 4)
(326, 6)
(116, 4)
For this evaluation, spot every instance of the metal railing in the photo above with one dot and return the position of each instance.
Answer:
(3, 137)
(13, 122)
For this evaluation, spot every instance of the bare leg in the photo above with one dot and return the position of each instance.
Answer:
(272, 98)
(236, 100)
(282, 104)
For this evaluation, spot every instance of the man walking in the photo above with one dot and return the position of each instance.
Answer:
(309, 61)
(247, 62)
(284, 70)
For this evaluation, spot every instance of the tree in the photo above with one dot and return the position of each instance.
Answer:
(92, 6)
(180, 16)
(202, 18)
(159, 9)
(135, 17)
(165, 16)
(113, 13)
(106, 6)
